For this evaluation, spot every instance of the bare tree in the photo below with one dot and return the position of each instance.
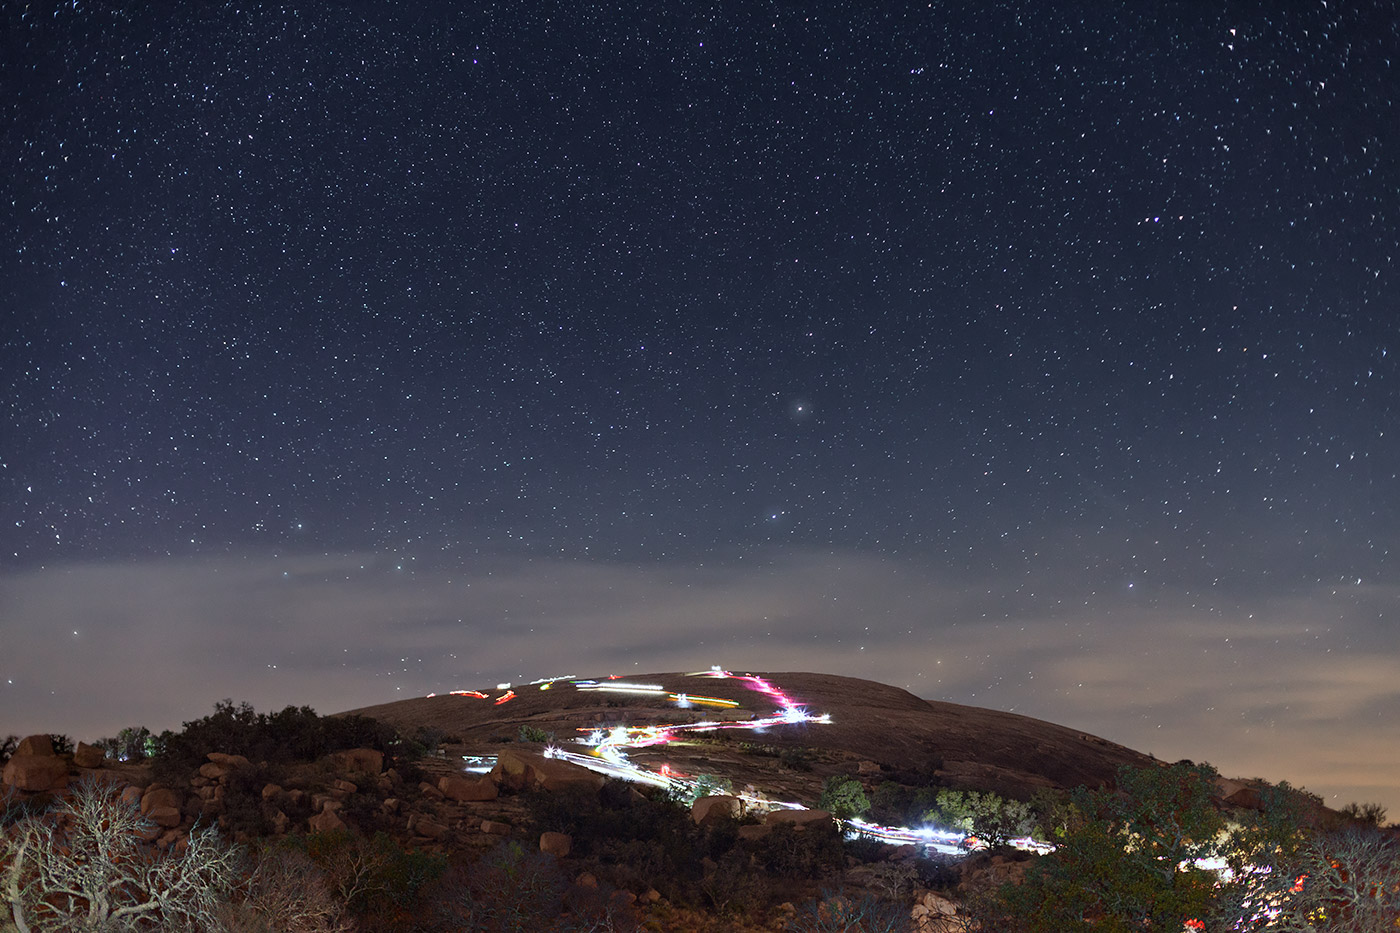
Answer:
(86, 866)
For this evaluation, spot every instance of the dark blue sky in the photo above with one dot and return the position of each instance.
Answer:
(1029, 330)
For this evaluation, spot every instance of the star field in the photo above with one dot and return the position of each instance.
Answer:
(1034, 355)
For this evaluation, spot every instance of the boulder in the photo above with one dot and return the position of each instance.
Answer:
(797, 818)
(367, 760)
(88, 756)
(270, 791)
(233, 761)
(36, 772)
(214, 770)
(326, 821)
(493, 828)
(556, 844)
(1246, 798)
(462, 789)
(519, 770)
(430, 828)
(41, 744)
(158, 795)
(167, 817)
(707, 810)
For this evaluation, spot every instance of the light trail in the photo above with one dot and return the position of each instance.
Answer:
(609, 747)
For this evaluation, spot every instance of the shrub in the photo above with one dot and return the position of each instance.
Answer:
(372, 876)
(535, 734)
(807, 853)
(7, 747)
(510, 890)
(731, 886)
(838, 914)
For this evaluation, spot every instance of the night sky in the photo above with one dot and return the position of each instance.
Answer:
(1033, 355)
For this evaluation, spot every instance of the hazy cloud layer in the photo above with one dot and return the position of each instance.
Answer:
(1294, 686)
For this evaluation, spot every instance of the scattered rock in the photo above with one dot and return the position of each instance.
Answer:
(493, 828)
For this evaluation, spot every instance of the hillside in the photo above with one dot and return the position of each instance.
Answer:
(963, 746)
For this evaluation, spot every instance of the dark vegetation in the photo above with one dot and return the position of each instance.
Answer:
(1128, 856)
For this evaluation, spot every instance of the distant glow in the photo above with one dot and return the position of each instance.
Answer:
(505, 697)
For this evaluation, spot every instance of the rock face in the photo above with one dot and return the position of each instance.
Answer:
(34, 766)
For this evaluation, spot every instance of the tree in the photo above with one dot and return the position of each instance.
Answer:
(85, 866)
(1127, 862)
(843, 797)
(1370, 813)
(986, 815)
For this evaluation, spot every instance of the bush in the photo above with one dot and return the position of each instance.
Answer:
(807, 853)
(293, 734)
(511, 890)
(372, 876)
(7, 748)
(839, 914)
(535, 734)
